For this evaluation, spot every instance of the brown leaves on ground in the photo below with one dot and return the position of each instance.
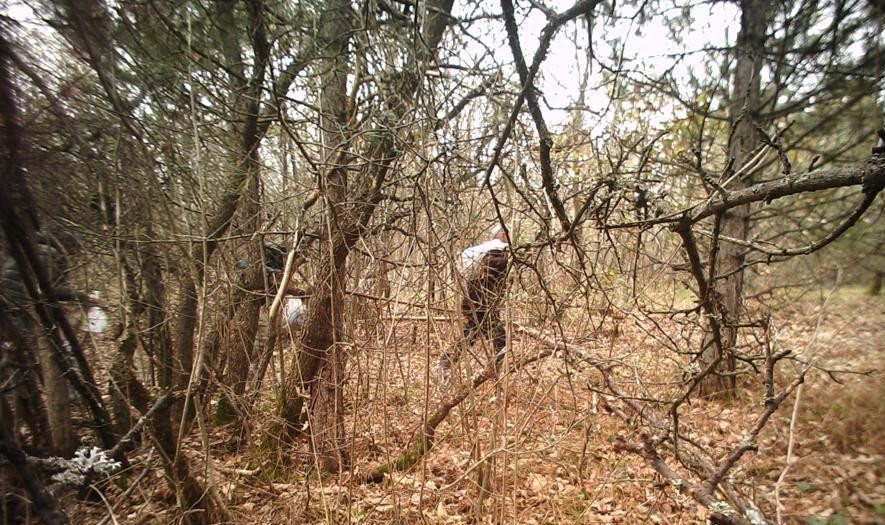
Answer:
(536, 447)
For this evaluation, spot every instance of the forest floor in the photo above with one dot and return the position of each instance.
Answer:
(536, 447)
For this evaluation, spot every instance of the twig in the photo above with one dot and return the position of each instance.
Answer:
(789, 461)
(107, 504)
(127, 442)
(132, 486)
(424, 441)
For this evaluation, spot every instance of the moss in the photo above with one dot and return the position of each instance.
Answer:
(411, 457)
(270, 455)
(225, 413)
(127, 347)
(405, 462)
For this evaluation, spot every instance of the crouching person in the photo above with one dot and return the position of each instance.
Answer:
(483, 271)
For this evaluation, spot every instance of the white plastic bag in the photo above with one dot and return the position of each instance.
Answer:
(292, 315)
(96, 320)
(469, 259)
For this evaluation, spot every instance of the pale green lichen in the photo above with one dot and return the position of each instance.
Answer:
(749, 443)
(86, 461)
(721, 507)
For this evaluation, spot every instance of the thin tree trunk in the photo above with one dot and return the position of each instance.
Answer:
(27, 406)
(125, 389)
(238, 338)
(324, 317)
(177, 366)
(320, 363)
(875, 284)
(157, 344)
(735, 223)
(45, 506)
(58, 403)
(242, 325)
(322, 329)
(193, 499)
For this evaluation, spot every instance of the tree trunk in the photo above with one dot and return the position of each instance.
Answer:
(319, 366)
(239, 338)
(875, 284)
(735, 223)
(322, 330)
(31, 409)
(324, 317)
(327, 411)
(175, 369)
(27, 405)
(157, 343)
(45, 505)
(20, 224)
(58, 403)
(125, 389)
(193, 500)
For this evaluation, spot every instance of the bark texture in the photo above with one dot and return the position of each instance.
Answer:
(319, 368)
(734, 223)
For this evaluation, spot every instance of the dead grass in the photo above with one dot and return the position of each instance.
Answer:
(853, 416)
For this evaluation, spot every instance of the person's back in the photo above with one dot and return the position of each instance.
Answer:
(483, 270)
(484, 285)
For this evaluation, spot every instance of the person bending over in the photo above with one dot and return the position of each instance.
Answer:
(483, 269)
